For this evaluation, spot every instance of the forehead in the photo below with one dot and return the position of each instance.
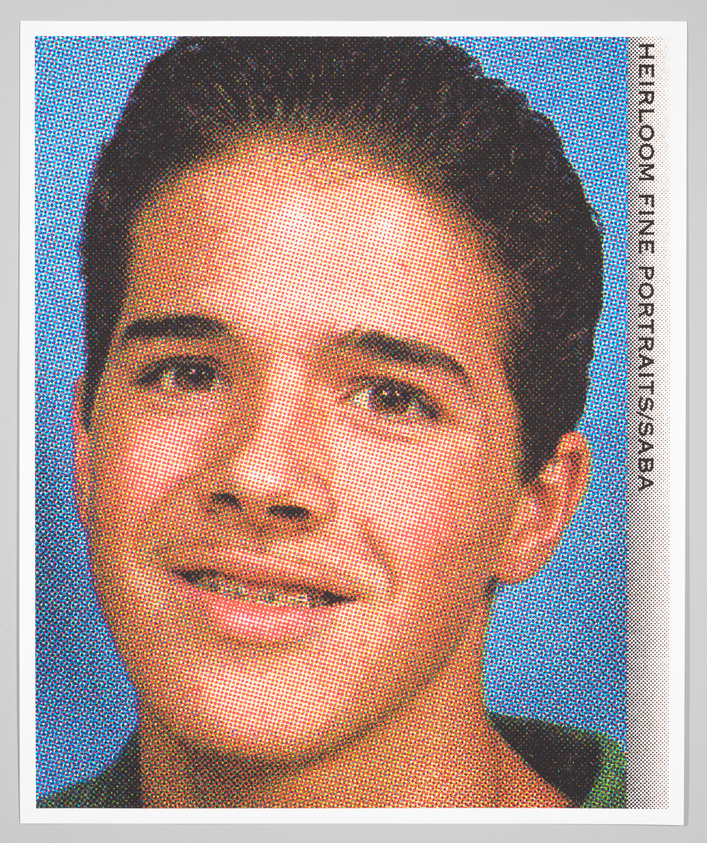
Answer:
(307, 237)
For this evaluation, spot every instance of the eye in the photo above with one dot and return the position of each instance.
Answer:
(396, 400)
(181, 375)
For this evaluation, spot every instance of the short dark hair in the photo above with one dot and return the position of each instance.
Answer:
(497, 160)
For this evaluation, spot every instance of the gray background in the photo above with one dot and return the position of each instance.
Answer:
(13, 11)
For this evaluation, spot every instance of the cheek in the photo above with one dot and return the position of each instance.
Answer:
(439, 512)
(138, 465)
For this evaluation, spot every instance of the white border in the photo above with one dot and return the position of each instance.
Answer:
(384, 816)
(26, 485)
(589, 29)
(678, 409)
(675, 34)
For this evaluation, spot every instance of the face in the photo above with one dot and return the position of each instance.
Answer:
(302, 463)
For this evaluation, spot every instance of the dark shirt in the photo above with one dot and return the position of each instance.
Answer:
(585, 766)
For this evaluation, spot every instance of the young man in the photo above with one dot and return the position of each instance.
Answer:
(341, 297)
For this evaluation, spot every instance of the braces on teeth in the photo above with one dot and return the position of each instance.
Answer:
(219, 584)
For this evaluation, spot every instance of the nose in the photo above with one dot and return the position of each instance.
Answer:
(270, 471)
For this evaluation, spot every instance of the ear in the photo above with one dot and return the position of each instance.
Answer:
(82, 475)
(546, 507)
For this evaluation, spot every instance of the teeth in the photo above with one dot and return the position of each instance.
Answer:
(220, 584)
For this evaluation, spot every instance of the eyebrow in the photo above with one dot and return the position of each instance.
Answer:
(405, 352)
(376, 344)
(187, 327)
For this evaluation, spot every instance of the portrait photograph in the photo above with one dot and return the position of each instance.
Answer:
(356, 361)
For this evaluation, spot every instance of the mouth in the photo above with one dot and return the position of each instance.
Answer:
(258, 600)
(264, 599)
(291, 595)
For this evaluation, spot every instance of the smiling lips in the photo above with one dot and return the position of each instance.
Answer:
(254, 598)
(295, 595)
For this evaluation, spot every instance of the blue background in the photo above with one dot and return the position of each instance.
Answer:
(556, 645)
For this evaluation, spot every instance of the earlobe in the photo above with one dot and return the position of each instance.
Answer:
(546, 507)
(81, 452)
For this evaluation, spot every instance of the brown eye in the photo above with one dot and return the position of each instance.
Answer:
(390, 398)
(181, 375)
(394, 399)
(194, 377)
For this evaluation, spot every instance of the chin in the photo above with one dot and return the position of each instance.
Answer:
(279, 738)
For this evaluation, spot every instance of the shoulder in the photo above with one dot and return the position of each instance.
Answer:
(118, 786)
(587, 767)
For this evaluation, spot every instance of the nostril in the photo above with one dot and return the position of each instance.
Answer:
(227, 500)
(285, 512)
(289, 512)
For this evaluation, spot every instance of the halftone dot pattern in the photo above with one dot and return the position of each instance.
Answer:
(573, 612)
(85, 702)
(174, 442)
(652, 280)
